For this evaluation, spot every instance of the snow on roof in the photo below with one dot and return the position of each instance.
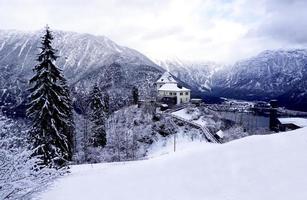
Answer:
(166, 78)
(173, 87)
(301, 122)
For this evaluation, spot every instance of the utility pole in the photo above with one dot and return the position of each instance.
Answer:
(174, 142)
(173, 124)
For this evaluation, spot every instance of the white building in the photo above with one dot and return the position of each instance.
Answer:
(169, 90)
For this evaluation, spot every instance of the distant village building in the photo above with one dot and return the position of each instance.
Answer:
(170, 92)
(284, 123)
(196, 101)
(292, 123)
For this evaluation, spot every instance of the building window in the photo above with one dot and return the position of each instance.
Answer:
(170, 93)
(186, 93)
(181, 93)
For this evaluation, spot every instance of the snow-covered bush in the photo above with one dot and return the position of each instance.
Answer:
(164, 127)
(129, 133)
(19, 175)
(196, 115)
(233, 133)
(190, 110)
(132, 130)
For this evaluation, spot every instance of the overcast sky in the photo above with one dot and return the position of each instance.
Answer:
(216, 30)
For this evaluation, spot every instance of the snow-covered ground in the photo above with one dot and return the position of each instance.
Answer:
(183, 114)
(192, 116)
(253, 168)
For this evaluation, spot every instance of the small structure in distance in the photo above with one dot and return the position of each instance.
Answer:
(292, 123)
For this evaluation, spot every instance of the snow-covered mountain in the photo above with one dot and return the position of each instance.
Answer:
(279, 74)
(85, 59)
(196, 74)
(78, 53)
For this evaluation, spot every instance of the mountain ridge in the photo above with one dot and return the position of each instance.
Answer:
(86, 59)
(80, 55)
(272, 74)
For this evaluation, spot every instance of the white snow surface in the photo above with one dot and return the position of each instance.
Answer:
(200, 120)
(172, 87)
(253, 168)
(183, 114)
(301, 122)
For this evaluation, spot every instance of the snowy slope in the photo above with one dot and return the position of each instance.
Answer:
(257, 167)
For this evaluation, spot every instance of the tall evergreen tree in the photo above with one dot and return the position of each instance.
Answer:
(98, 118)
(135, 95)
(50, 109)
(106, 103)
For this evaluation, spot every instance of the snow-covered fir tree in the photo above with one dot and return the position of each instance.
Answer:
(98, 118)
(135, 95)
(106, 103)
(50, 109)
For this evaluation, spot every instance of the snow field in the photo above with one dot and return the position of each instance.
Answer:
(257, 167)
